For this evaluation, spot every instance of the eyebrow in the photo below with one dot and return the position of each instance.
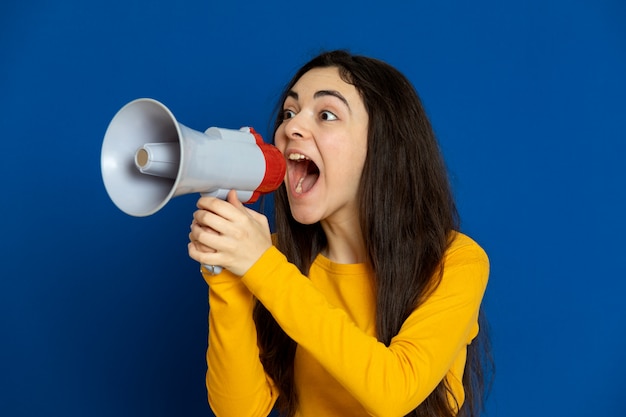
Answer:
(323, 93)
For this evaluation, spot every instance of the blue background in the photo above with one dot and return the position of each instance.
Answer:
(103, 314)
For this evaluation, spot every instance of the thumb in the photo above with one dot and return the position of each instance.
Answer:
(234, 200)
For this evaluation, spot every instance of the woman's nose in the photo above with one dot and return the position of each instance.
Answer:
(297, 127)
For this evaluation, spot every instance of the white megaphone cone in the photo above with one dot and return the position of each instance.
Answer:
(148, 158)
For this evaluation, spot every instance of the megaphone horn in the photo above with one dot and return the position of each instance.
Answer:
(148, 158)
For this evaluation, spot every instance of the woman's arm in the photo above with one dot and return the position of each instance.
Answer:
(236, 381)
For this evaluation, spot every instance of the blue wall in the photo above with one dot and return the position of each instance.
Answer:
(102, 314)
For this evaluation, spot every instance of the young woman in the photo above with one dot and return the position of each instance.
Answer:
(366, 300)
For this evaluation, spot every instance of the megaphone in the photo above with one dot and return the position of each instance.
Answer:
(148, 158)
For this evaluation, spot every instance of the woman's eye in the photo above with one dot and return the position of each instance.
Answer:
(328, 116)
(288, 114)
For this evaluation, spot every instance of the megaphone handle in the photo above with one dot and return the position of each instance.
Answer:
(213, 269)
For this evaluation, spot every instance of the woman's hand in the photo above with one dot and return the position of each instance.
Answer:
(228, 234)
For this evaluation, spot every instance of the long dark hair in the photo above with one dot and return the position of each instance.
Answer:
(407, 216)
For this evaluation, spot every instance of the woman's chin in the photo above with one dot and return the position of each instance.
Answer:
(304, 215)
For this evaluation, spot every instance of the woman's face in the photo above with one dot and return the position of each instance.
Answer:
(324, 138)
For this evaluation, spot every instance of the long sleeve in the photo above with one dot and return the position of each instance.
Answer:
(236, 382)
(387, 381)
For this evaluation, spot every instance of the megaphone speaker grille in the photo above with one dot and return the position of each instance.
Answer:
(137, 123)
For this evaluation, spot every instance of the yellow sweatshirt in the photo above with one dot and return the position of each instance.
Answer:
(341, 369)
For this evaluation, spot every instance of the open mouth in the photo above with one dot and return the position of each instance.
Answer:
(303, 173)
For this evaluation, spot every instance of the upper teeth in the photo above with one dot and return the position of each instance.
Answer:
(297, 157)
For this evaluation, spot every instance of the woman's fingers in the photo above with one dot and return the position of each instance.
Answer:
(227, 233)
(196, 236)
